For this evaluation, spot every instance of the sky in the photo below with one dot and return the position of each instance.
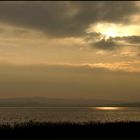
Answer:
(70, 49)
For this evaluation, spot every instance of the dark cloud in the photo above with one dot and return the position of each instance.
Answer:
(93, 36)
(130, 39)
(113, 42)
(106, 44)
(62, 19)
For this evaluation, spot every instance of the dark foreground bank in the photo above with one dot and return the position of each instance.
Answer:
(49, 130)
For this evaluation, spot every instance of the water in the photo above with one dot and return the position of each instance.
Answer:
(71, 114)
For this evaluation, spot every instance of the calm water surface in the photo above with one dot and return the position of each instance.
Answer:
(72, 114)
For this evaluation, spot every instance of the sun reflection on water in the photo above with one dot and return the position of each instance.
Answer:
(108, 108)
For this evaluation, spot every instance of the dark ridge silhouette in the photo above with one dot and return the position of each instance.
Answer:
(63, 130)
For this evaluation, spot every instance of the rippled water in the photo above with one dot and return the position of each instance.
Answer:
(74, 114)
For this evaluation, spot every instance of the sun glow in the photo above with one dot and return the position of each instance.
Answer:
(113, 30)
(109, 33)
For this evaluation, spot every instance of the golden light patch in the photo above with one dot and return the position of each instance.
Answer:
(107, 108)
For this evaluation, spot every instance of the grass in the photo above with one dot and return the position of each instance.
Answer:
(70, 130)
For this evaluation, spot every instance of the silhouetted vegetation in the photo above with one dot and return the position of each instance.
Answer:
(70, 130)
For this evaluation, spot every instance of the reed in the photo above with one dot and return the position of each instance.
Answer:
(64, 130)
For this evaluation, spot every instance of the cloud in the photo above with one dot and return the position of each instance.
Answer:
(106, 44)
(63, 19)
(92, 36)
(121, 67)
(71, 81)
(130, 39)
(77, 68)
(113, 43)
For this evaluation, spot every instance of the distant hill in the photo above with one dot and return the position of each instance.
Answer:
(53, 102)
(59, 102)
(132, 104)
